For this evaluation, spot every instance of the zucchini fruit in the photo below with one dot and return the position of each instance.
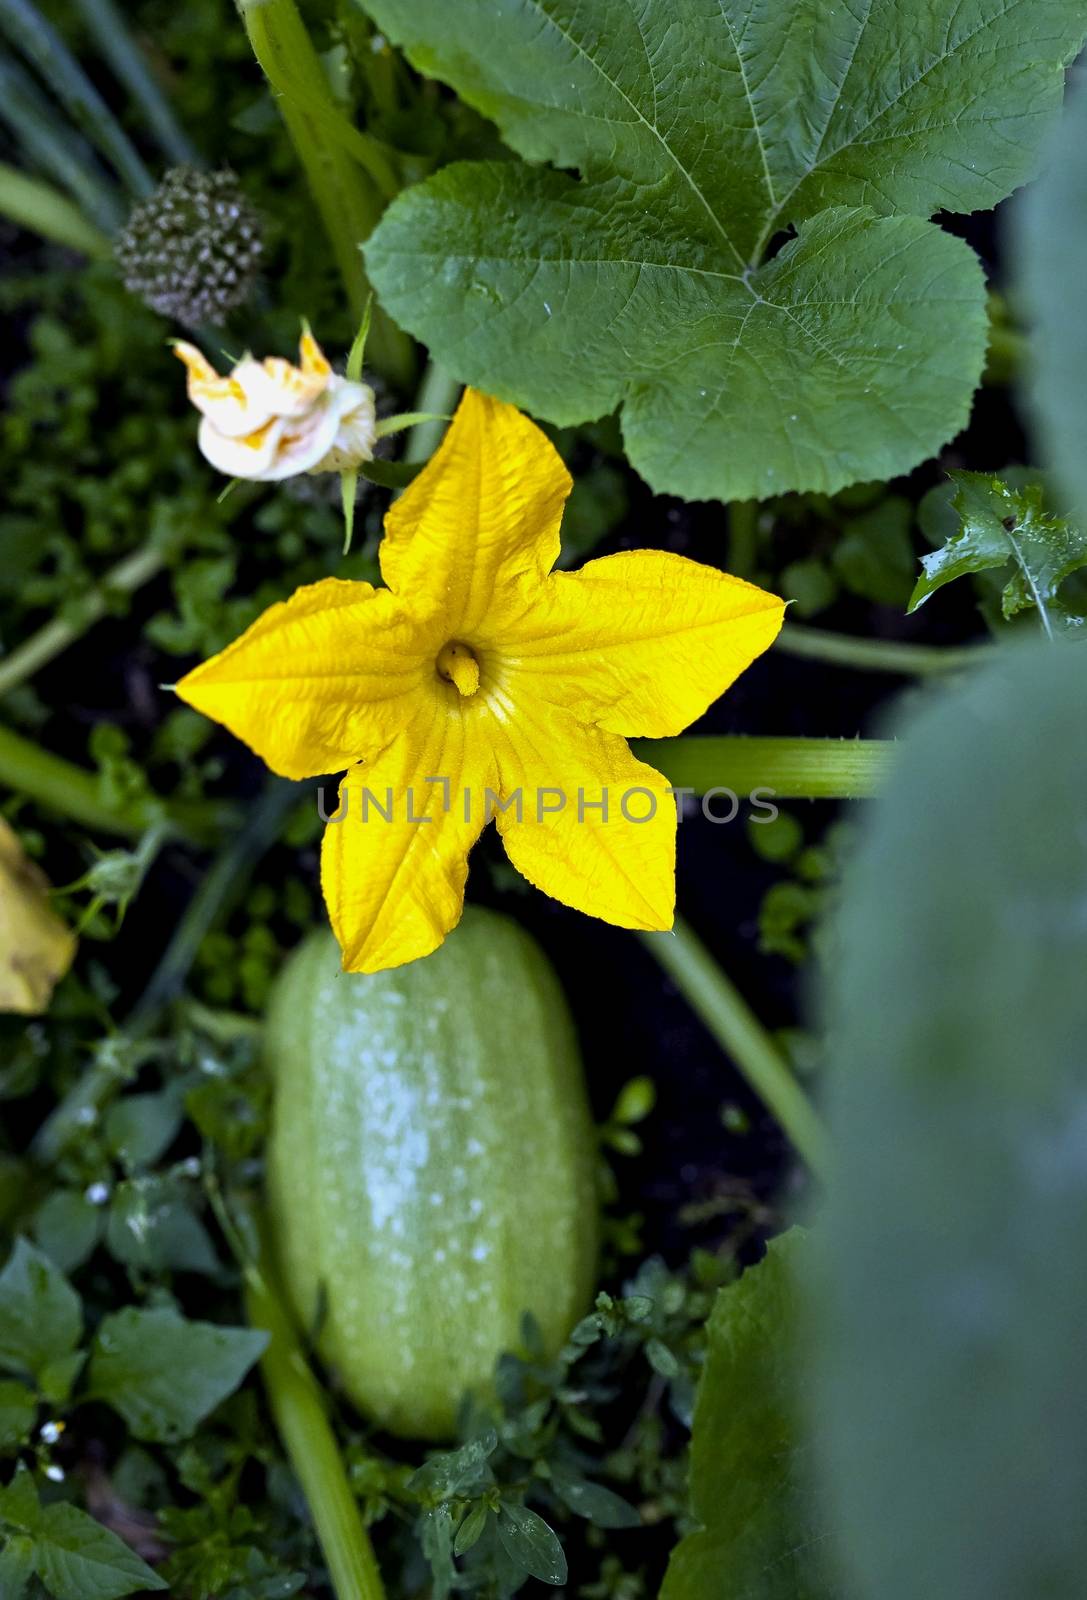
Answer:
(432, 1165)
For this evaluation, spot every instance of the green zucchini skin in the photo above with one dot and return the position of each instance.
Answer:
(432, 1165)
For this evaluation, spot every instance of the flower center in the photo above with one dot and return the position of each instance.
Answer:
(458, 665)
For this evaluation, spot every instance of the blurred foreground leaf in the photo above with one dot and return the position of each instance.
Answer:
(1051, 236)
(952, 1300)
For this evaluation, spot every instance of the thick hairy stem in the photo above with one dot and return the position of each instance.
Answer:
(790, 769)
(348, 173)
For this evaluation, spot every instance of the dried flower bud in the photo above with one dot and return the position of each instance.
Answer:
(191, 250)
(269, 420)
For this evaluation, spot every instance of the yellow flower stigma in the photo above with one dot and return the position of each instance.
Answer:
(457, 665)
(481, 685)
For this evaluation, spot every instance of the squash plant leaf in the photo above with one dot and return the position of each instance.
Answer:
(1007, 527)
(702, 131)
(760, 1532)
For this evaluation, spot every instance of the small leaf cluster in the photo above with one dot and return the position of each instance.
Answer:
(159, 1371)
(1003, 528)
(535, 1456)
(794, 910)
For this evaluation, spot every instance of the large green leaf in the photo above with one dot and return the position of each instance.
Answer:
(701, 129)
(1052, 247)
(761, 1535)
(952, 1292)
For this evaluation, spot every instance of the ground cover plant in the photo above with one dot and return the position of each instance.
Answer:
(543, 849)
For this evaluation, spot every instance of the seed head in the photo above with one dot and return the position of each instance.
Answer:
(191, 249)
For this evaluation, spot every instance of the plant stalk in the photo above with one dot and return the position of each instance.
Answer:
(55, 145)
(714, 998)
(75, 793)
(297, 1406)
(56, 635)
(879, 655)
(350, 199)
(743, 534)
(791, 769)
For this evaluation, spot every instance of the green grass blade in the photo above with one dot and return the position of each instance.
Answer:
(39, 42)
(48, 142)
(106, 22)
(36, 205)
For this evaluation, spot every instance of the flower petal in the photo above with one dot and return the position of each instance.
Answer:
(248, 455)
(394, 887)
(305, 440)
(279, 384)
(228, 403)
(484, 511)
(319, 680)
(639, 643)
(578, 836)
(356, 432)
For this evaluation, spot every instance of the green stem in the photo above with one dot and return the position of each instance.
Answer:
(51, 781)
(298, 1408)
(37, 206)
(878, 655)
(743, 534)
(349, 199)
(1007, 356)
(715, 999)
(438, 394)
(40, 43)
(81, 1106)
(791, 769)
(1009, 348)
(56, 635)
(107, 24)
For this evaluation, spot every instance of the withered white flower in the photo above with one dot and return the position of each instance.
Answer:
(270, 419)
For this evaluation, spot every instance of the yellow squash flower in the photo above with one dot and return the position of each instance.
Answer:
(481, 683)
(269, 419)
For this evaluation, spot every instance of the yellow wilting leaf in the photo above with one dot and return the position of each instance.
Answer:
(36, 947)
